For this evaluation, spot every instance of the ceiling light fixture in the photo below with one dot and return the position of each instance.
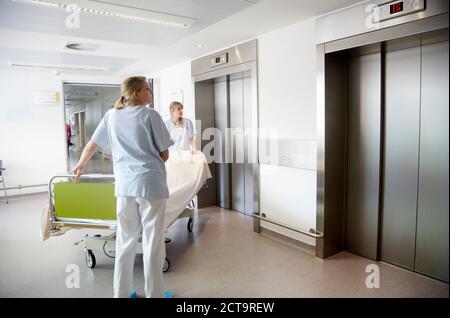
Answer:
(117, 11)
(60, 67)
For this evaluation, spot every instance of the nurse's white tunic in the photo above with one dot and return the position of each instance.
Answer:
(180, 135)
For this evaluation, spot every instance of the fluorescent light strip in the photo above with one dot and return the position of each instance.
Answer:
(43, 3)
(62, 66)
(116, 11)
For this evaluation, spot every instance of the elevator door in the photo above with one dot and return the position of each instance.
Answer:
(225, 104)
(237, 146)
(401, 151)
(240, 122)
(415, 208)
(433, 200)
(363, 154)
(222, 122)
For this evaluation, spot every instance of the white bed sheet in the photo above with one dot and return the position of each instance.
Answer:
(186, 175)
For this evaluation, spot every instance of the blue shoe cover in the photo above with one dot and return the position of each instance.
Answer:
(168, 294)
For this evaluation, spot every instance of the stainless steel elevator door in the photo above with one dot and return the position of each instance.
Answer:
(240, 85)
(237, 143)
(363, 154)
(433, 201)
(222, 122)
(401, 153)
(250, 161)
(225, 104)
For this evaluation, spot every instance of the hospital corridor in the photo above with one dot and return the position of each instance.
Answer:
(230, 149)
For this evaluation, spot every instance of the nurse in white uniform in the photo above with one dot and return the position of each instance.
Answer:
(139, 143)
(181, 130)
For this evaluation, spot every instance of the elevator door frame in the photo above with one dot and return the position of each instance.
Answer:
(326, 220)
(253, 68)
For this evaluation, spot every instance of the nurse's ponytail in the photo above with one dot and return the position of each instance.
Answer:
(128, 88)
(120, 103)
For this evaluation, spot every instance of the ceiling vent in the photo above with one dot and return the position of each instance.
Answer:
(75, 46)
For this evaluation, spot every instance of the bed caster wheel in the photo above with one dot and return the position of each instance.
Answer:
(190, 225)
(90, 259)
(166, 265)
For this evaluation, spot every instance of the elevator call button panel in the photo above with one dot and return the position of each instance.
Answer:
(394, 9)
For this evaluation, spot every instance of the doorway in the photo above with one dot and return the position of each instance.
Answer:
(85, 105)
(387, 126)
(226, 117)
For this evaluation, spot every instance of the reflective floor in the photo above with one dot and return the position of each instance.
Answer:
(97, 164)
(223, 257)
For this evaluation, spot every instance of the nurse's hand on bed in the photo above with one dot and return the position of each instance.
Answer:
(87, 153)
(77, 171)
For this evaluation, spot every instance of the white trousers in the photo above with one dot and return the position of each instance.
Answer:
(136, 215)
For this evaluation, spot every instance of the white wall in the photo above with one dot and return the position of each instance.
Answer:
(287, 101)
(32, 138)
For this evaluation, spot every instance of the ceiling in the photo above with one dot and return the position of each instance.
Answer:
(35, 18)
(31, 33)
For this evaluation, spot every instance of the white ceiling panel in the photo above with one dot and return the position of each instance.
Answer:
(36, 18)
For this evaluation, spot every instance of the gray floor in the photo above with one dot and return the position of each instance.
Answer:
(223, 257)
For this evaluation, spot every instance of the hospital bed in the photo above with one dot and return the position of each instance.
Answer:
(91, 204)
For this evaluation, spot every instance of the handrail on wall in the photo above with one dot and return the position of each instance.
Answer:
(312, 233)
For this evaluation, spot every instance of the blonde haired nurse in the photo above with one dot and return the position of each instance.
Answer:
(139, 143)
(181, 130)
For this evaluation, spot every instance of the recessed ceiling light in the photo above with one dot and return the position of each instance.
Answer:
(200, 46)
(119, 11)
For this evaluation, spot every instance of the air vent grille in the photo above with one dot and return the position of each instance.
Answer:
(75, 46)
